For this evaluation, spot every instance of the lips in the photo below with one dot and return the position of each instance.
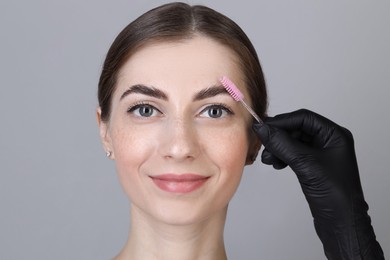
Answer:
(179, 183)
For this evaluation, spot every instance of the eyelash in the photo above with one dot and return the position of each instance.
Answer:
(138, 105)
(218, 106)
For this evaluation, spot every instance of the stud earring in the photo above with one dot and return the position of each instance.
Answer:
(108, 154)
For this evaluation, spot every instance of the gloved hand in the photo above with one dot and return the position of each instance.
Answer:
(322, 155)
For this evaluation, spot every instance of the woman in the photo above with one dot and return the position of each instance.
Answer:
(180, 142)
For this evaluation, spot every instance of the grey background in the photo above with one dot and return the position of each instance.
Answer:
(59, 195)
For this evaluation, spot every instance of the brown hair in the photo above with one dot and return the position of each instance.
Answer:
(175, 22)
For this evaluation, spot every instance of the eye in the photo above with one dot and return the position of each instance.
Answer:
(143, 110)
(216, 111)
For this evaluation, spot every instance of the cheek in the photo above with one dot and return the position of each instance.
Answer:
(228, 147)
(132, 148)
(129, 143)
(222, 146)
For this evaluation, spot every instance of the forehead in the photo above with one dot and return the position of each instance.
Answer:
(199, 60)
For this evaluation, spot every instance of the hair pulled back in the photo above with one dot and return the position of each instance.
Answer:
(175, 22)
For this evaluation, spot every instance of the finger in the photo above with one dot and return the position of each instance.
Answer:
(306, 121)
(270, 159)
(267, 157)
(281, 145)
(279, 165)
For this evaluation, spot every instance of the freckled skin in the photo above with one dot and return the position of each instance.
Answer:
(180, 137)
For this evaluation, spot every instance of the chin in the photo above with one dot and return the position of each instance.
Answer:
(185, 214)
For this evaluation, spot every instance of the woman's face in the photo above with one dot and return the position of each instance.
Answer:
(179, 140)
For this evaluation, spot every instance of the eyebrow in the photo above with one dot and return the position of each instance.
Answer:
(154, 92)
(210, 92)
(145, 90)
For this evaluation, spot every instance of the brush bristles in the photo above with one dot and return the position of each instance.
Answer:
(232, 89)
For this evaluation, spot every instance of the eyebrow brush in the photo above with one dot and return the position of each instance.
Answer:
(238, 96)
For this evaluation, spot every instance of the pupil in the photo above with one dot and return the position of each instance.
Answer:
(146, 111)
(215, 112)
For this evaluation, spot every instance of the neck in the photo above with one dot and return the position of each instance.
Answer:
(152, 239)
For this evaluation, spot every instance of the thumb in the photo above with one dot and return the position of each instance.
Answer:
(263, 132)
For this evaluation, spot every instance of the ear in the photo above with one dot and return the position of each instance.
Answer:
(104, 133)
(254, 148)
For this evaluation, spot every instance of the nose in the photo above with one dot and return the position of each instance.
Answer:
(179, 141)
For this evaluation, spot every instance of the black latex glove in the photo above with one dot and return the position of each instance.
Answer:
(322, 155)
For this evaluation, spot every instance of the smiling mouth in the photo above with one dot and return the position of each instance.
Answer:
(179, 183)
